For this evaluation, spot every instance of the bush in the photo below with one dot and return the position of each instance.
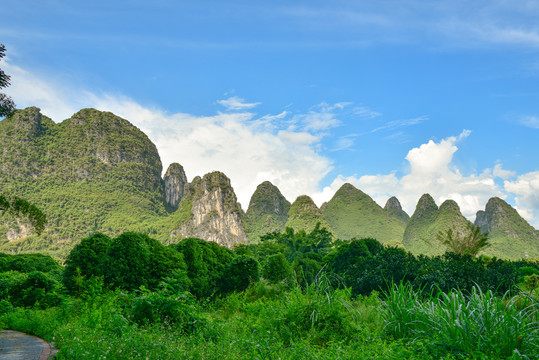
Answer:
(27, 263)
(177, 310)
(277, 269)
(133, 260)
(37, 289)
(85, 260)
(240, 273)
(206, 262)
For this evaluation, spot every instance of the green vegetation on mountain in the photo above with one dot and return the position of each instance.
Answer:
(420, 236)
(510, 235)
(267, 212)
(97, 173)
(393, 207)
(304, 215)
(353, 214)
(92, 172)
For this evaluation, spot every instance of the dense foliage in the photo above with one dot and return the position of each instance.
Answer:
(311, 297)
(6, 103)
(21, 208)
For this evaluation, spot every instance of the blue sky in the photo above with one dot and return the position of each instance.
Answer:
(396, 97)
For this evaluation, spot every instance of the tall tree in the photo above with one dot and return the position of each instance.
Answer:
(6, 103)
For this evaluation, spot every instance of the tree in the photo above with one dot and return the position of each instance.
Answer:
(468, 243)
(240, 273)
(20, 207)
(133, 260)
(86, 260)
(277, 268)
(206, 262)
(6, 103)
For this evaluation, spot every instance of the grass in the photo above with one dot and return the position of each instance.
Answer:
(272, 321)
(479, 323)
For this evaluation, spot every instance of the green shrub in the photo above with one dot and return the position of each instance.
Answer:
(240, 273)
(133, 260)
(178, 310)
(464, 324)
(277, 268)
(37, 289)
(5, 307)
(206, 263)
(86, 261)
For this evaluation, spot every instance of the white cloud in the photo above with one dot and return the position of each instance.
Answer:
(502, 173)
(345, 142)
(530, 121)
(400, 123)
(236, 103)
(526, 189)
(366, 113)
(28, 89)
(321, 117)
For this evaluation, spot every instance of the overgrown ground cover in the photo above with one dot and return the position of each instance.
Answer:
(294, 296)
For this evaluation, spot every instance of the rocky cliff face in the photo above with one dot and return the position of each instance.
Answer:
(304, 215)
(175, 185)
(267, 212)
(510, 235)
(352, 213)
(214, 212)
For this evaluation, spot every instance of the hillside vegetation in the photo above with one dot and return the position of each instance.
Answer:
(96, 172)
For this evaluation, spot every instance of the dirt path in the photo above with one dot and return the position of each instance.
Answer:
(16, 345)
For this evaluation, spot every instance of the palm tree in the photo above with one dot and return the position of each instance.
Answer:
(468, 243)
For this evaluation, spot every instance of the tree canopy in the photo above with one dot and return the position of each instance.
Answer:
(6, 103)
(20, 207)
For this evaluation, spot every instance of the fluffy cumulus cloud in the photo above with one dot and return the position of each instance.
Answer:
(431, 171)
(526, 189)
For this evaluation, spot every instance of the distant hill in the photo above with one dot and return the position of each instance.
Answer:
(267, 212)
(510, 235)
(352, 213)
(394, 208)
(427, 221)
(96, 172)
(304, 215)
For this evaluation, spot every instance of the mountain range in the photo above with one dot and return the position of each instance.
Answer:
(96, 172)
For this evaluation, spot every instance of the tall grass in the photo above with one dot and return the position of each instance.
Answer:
(479, 322)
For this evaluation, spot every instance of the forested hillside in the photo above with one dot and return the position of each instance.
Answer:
(96, 172)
